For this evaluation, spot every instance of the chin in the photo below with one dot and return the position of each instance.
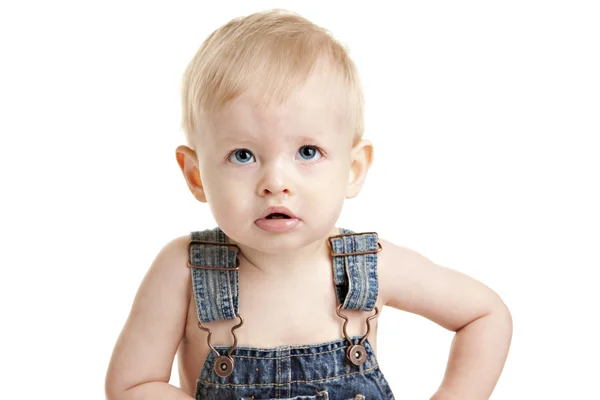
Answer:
(301, 235)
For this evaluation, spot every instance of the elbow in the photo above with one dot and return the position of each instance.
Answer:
(500, 320)
(502, 313)
(111, 392)
(113, 387)
(506, 317)
(116, 393)
(497, 315)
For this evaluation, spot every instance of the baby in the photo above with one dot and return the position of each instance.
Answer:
(277, 302)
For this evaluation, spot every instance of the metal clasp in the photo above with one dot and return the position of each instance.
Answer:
(197, 241)
(331, 238)
(356, 353)
(224, 365)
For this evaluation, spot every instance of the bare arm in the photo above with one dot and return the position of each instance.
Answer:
(141, 362)
(481, 320)
(477, 357)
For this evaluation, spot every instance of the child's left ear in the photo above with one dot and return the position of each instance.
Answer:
(361, 159)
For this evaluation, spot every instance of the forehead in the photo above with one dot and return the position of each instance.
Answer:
(314, 107)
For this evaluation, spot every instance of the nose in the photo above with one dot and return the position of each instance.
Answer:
(274, 180)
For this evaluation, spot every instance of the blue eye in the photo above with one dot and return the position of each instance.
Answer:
(309, 152)
(241, 156)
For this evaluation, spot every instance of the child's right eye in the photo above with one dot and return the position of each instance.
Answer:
(241, 156)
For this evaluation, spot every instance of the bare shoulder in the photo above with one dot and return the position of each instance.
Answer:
(412, 282)
(169, 268)
(146, 347)
(173, 256)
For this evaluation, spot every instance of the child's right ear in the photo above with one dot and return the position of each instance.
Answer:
(188, 162)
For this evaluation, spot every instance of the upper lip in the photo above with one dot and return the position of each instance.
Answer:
(278, 210)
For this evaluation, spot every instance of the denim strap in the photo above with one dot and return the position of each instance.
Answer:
(216, 292)
(355, 276)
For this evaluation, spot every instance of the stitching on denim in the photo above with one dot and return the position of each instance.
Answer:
(278, 378)
(218, 297)
(348, 247)
(291, 355)
(380, 384)
(276, 384)
(343, 348)
(355, 271)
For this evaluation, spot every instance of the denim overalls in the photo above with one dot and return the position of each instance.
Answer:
(341, 369)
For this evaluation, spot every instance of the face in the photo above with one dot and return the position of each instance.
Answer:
(297, 155)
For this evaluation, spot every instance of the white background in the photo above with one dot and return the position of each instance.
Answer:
(485, 121)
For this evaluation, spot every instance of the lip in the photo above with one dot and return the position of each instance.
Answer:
(279, 225)
(278, 210)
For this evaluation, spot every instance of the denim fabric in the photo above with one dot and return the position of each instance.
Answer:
(355, 276)
(216, 291)
(310, 371)
(319, 371)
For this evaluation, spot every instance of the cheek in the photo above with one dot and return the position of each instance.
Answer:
(229, 205)
(225, 193)
(328, 186)
(338, 177)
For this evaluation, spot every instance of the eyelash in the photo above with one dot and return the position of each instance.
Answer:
(323, 154)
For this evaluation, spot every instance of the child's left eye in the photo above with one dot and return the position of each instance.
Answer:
(309, 152)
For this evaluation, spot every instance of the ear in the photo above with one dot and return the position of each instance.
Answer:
(361, 159)
(188, 162)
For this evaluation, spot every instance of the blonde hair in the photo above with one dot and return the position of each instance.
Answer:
(271, 51)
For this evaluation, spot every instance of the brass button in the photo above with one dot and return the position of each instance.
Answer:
(223, 366)
(356, 354)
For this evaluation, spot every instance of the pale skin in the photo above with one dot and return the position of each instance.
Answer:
(283, 267)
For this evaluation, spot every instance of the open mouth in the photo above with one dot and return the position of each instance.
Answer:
(277, 216)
